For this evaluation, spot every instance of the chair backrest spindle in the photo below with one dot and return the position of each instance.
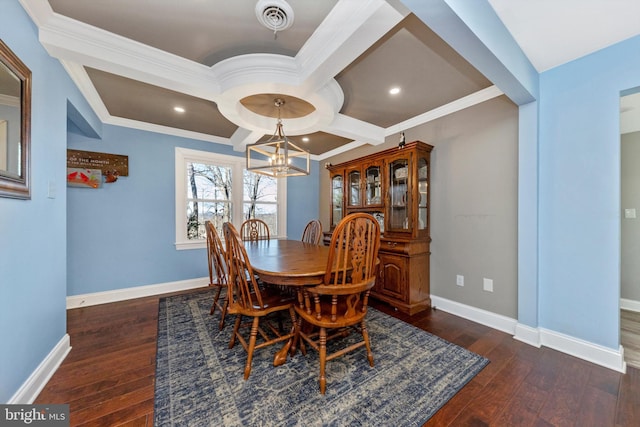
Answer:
(312, 232)
(254, 229)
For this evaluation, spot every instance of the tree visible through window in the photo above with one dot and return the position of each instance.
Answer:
(218, 188)
(209, 198)
(260, 199)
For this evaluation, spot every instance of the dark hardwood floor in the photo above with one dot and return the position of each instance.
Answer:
(107, 378)
(630, 336)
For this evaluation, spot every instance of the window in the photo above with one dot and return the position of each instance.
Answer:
(209, 190)
(260, 199)
(217, 188)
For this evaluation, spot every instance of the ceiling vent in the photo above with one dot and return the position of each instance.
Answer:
(276, 15)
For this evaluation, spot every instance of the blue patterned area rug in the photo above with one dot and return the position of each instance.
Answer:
(199, 380)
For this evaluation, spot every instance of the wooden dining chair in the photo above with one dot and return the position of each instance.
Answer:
(247, 299)
(339, 304)
(312, 232)
(254, 229)
(218, 274)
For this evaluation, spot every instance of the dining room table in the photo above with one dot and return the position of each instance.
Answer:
(288, 262)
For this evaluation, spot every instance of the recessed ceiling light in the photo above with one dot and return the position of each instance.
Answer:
(305, 139)
(178, 109)
(394, 90)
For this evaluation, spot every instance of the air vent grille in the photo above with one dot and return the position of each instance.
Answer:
(276, 15)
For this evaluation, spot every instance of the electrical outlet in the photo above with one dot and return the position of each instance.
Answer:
(487, 284)
(459, 280)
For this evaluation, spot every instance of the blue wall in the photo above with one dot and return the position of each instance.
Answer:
(33, 232)
(122, 235)
(302, 207)
(579, 231)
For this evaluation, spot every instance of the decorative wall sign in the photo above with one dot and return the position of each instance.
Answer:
(79, 177)
(111, 165)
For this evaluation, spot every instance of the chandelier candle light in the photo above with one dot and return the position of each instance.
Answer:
(278, 157)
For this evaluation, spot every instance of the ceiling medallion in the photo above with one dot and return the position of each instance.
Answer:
(278, 157)
(276, 15)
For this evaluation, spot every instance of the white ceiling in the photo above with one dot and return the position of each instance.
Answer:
(553, 32)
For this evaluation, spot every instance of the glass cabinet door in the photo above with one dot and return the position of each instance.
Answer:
(353, 180)
(423, 188)
(373, 186)
(337, 193)
(399, 201)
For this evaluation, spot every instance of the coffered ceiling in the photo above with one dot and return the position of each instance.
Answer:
(135, 61)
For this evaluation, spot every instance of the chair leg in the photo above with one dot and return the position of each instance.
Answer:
(252, 346)
(215, 299)
(236, 328)
(367, 344)
(299, 338)
(323, 359)
(224, 313)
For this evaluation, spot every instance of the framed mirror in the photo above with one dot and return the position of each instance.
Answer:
(15, 125)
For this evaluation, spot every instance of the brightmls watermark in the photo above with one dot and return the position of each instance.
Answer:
(34, 415)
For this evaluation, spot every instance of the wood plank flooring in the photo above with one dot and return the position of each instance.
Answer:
(108, 377)
(630, 336)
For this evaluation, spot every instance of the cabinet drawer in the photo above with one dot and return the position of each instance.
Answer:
(394, 246)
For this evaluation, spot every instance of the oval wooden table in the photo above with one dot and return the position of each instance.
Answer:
(290, 263)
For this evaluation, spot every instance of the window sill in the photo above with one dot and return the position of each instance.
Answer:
(187, 245)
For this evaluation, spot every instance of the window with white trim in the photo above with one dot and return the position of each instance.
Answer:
(217, 188)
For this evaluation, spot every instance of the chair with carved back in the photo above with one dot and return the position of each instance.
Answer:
(254, 229)
(338, 305)
(312, 232)
(247, 299)
(218, 274)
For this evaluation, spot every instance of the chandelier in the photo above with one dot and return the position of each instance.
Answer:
(278, 157)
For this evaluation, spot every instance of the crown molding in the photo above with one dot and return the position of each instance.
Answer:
(444, 110)
(67, 39)
(327, 51)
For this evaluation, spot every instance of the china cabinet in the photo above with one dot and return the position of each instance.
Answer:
(393, 186)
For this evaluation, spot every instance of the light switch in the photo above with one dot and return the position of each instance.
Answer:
(630, 213)
(51, 193)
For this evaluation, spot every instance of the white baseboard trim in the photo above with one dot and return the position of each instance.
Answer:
(629, 304)
(75, 301)
(585, 350)
(528, 335)
(537, 337)
(32, 387)
(484, 317)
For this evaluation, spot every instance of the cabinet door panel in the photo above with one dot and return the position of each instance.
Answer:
(353, 188)
(399, 208)
(373, 185)
(393, 272)
(337, 199)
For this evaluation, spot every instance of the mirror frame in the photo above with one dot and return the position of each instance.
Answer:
(19, 187)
